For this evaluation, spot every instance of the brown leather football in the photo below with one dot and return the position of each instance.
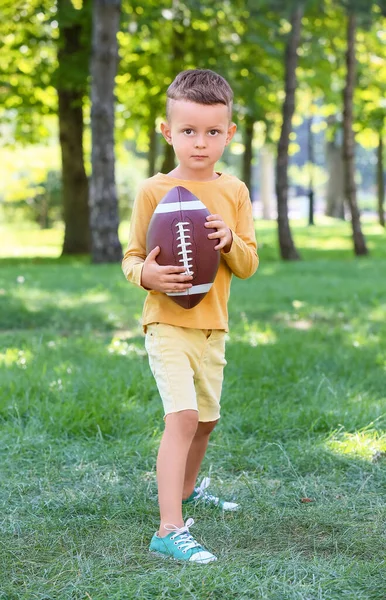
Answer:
(178, 228)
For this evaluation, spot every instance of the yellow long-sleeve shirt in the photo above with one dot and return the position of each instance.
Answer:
(226, 196)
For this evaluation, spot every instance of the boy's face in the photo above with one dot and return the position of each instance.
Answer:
(199, 134)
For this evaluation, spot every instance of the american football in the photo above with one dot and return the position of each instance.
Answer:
(177, 227)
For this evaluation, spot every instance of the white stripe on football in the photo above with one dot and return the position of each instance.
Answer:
(195, 289)
(171, 207)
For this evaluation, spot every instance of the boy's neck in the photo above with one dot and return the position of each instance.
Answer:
(180, 173)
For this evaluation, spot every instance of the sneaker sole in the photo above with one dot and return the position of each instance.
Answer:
(191, 562)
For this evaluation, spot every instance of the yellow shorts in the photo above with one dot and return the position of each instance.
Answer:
(188, 366)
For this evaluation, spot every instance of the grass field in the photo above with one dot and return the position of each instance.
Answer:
(301, 443)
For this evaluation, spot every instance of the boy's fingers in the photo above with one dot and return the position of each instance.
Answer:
(153, 253)
(179, 287)
(171, 270)
(214, 224)
(178, 278)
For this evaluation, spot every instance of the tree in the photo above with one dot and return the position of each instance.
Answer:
(370, 98)
(335, 184)
(366, 12)
(380, 180)
(349, 141)
(44, 62)
(103, 195)
(71, 78)
(311, 161)
(287, 246)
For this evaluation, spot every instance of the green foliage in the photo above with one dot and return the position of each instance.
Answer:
(371, 92)
(303, 416)
(31, 185)
(27, 63)
(256, 46)
(29, 69)
(240, 39)
(74, 45)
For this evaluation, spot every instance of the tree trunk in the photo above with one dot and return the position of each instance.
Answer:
(287, 246)
(44, 220)
(169, 161)
(103, 197)
(248, 153)
(152, 154)
(380, 181)
(349, 141)
(70, 112)
(311, 161)
(267, 180)
(335, 184)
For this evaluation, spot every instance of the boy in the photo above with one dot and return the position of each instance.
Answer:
(186, 348)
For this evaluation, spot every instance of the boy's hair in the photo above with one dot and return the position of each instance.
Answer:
(201, 86)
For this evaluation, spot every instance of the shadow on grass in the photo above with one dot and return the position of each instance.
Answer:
(68, 321)
(67, 296)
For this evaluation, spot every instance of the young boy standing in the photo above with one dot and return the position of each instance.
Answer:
(186, 348)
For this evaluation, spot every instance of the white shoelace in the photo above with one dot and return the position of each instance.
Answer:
(201, 493)
(183, 539)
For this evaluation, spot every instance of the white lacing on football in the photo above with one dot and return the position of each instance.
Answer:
(183, 239)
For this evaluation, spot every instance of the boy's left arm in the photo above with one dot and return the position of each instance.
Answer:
(241, 256)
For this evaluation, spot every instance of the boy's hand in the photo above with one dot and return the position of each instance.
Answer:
(163, 279)
(223, 232)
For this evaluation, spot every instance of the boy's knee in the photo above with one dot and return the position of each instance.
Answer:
(206, 427)
(185, 421)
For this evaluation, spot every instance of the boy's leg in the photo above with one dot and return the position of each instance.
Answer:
(173, 356)
(196, 454)
(180, 429)
(197, 450)
(208, 384)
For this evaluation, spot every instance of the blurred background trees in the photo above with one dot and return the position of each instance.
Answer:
(310, 96)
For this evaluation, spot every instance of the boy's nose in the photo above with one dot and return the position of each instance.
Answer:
(200, 142)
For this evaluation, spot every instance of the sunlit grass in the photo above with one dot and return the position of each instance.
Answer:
(15, 356)
(254, 334)
(122, 348)
(30, 241)
(367, 444)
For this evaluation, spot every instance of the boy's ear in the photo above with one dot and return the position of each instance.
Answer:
(231, 132)
(166, 132)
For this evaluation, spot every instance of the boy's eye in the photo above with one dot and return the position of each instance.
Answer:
(188, 131)
(213, 132)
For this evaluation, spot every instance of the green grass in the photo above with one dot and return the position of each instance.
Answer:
(303, 416)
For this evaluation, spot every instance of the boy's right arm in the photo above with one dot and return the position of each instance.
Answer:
(143, 270)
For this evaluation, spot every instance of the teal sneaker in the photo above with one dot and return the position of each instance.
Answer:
(180, 545)
(201, 496)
